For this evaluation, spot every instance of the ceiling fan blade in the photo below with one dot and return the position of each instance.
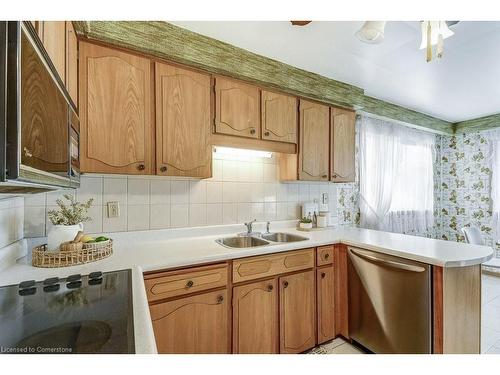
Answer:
(300, 23)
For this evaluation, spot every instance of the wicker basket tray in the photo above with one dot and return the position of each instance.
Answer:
(91, 252)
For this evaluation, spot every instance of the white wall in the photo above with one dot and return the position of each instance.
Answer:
(11, 220)
(239, 190)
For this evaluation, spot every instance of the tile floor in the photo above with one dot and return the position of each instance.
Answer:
(490, 327)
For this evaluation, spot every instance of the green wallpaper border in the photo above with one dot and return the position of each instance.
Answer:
(477, 124)
(170, 42)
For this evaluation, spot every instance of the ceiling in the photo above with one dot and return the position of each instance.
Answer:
(464, 84)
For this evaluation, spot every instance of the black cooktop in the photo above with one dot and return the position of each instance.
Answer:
(79, 314)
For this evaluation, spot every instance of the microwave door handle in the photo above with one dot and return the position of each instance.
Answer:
(389, 263)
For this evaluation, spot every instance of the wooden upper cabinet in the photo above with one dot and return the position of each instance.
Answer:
(183, 145)
(326, 313)
(342, 145)
(279, 117)
(71, 62)
(115, 111)
(297, 312)
(53, 35)
(255, 318)
(192, 325)
(314, 145)
(237, 108)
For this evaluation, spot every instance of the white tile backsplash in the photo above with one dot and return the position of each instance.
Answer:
(239, 191)
(11, 220)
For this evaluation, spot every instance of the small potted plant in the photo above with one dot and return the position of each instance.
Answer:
(305, 223)
(67, 221)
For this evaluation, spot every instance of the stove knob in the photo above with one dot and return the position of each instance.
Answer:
(74, 284)
(51, 281)
(73, 278)
(95, 275)
(27, 284)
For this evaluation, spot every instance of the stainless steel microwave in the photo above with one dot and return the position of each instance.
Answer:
(39, 125)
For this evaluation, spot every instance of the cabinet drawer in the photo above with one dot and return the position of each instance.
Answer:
(269, 265)
(176, 283)
(324, 255)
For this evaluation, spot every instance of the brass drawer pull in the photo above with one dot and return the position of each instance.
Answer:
(270, 288)
(220, 299)
(189, 284)
(323, 275)
(266, 134)
(327, 256)
(252, 131)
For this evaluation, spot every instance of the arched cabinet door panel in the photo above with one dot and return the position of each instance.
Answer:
(237, 108)
(279, 117)
(255, 318)
(343, 145)
(182, 122)
(192, 325)
(314, 141)
(116, 111)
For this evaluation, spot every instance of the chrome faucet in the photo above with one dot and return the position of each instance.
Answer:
(268, 227)
(249, 227)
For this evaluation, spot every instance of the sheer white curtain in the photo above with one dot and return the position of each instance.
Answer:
(493, 137)
(396, 177)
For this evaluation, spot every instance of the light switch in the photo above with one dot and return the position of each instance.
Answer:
(113, 209)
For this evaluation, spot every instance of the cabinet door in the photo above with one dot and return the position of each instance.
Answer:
(192, 325)
(182, 122)
(326, 312)
(255, 318)
(314, 141)
(279, 117)
(343, 145)
(341, 298)
(237, 108)
(115, 111)
(297, 312)
(71, 62)
(54, 41)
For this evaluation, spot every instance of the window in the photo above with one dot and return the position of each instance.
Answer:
(396, 177)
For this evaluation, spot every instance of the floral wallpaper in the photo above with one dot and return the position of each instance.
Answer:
(462, 183)
(463, 186)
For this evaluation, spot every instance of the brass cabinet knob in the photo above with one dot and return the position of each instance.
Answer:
(163, 169)
(324, 176)
(285, 284)
(220, 299)
(323, 275)
(189, 284)
(141, 167)
(266, 134)
(334, 175)
(252, 131)
(327, 256)
(270, 288)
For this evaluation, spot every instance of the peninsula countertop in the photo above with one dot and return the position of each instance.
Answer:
(171, 248)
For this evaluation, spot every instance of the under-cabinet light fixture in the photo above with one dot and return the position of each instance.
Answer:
(230, 152)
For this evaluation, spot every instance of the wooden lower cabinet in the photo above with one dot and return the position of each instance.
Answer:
(326, 305)
(297, 312)
(193, 325)
(255, 318)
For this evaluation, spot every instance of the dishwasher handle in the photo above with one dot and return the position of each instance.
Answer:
(389, 263)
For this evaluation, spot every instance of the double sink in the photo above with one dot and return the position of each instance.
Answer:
(262, 240)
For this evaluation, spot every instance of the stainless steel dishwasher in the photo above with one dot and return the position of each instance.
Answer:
(389, 303)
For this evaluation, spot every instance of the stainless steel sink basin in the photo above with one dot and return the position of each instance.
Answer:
(240, 242)
(283, 237)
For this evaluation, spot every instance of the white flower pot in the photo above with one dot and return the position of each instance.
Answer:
(62, 233)
(306, 225)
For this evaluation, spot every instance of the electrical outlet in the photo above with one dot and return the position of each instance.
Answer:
(113, 209)
(324, 198)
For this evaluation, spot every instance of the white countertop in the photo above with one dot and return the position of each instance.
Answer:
(161, 249)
